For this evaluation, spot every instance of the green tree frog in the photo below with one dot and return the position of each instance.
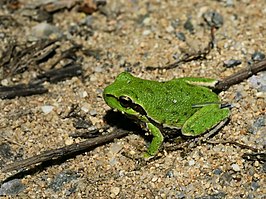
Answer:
(187, 104)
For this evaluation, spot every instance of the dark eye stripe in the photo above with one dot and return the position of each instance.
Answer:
(126, 102)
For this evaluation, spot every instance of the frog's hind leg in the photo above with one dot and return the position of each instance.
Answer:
(205, 119)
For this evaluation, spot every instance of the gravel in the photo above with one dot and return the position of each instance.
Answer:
(131, 35)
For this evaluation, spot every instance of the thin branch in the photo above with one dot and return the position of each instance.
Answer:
(230, 142)
(65, 151)
(241, 75)
(9, 92)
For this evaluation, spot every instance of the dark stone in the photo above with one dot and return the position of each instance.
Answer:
(213, 19)
(217, 171)
(258, 56)
(61, 179)
(231, 63)
(181, 36)
(12, 187)
(226, 178)
(257, 124)
(82, 124)
(254, 185)
(5, 150)
(189, 26)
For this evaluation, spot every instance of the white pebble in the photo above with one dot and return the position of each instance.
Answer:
(235, 167)
(4, 82)
(47, 109)
(146, 32)
(83, 94)
(191, 162)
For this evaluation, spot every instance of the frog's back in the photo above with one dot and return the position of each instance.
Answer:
(171, 102)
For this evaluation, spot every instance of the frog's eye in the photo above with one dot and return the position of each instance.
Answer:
(125, 101)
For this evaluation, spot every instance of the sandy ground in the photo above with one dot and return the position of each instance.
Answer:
(131, 35)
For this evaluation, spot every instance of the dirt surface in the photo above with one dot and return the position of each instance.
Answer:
(118, 36)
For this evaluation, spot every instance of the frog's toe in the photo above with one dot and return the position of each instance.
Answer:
(147, 156)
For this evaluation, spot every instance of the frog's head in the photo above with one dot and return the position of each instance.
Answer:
(121, 95)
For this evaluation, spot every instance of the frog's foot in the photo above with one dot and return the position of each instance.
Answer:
(147, 157)
(199, 140)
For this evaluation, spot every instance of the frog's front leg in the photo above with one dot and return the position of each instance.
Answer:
(205, 119)
(157, 140)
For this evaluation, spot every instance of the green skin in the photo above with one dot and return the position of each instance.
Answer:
(168, 104)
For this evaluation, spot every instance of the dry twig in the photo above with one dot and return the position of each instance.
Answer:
(65, 151)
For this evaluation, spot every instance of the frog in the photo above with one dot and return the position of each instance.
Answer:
(186, 104)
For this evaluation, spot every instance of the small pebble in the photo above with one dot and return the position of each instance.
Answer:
(235, 167)
(226, 178)
(146, 21)
(258, 56)
(229, 2)
(146, 32)
(213, 19)
(2, 36)
(191, 162)
(257, 124)
(61, 179)
(255, 185)
(115, 190)
(88, 20)
(4, 82)
(115, 148)
(83, 94)
(47, 109)
(98, 69)
(169, 29)
(217, 171)
(231, 63)
(155, 178)
(181, 36)
(189, 26)
(258, 81)
(175, 23)
(180, 195)
(170, 174)
(93, 112)
(5, 150)
(82, 124)
(44, 30)
(12, 187)
(238, 96)
(250, 196)
(69, 141)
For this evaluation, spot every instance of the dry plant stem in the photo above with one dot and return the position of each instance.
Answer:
(9, 92)
(255, 156)
(242, 146)
(64, 151)
(241, 75)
